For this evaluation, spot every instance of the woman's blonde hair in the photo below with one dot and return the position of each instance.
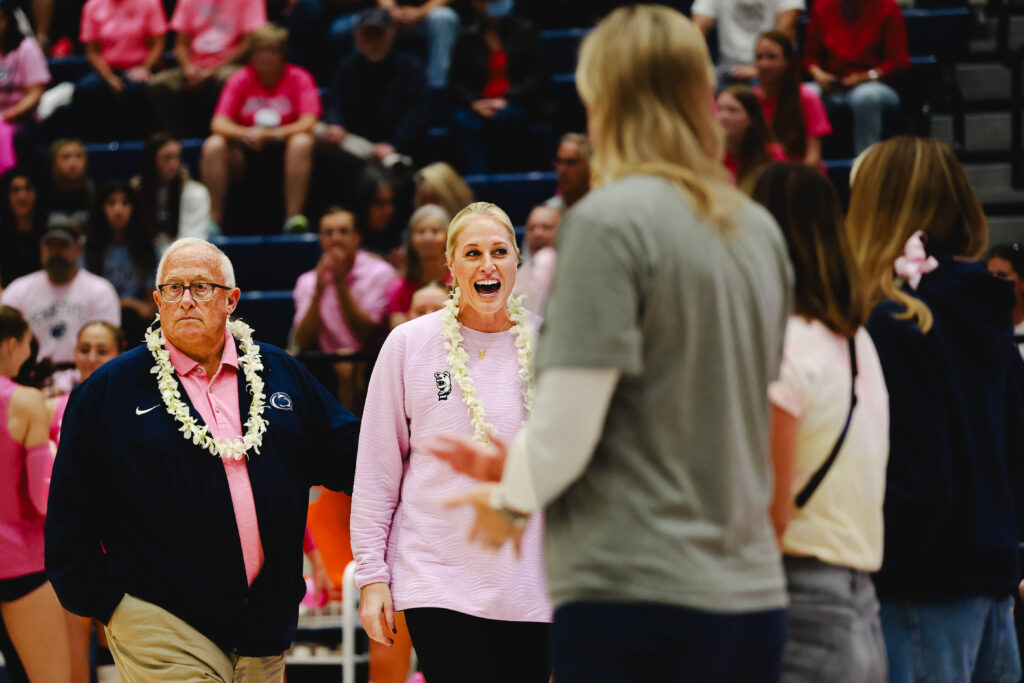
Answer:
(903, 185)
(471, 213)
(647, 81)
(447, 186)
(270, 35)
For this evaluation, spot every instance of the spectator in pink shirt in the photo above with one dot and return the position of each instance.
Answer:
(23, 77)
(31, 614)
(792, 109)
(213, 40)
(123, 41)
(341, 305)
(266, 107)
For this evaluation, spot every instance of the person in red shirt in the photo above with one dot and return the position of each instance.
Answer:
(749, 144)
(266, 107)
(793, 110)
(124, 40)
(854, 49)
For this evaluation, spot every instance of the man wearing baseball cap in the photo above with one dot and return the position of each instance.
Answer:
(59, 299)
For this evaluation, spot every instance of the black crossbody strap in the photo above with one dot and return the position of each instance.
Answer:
(815, 481)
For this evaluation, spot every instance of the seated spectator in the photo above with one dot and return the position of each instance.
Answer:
(431, 21)
(854, 50)
(59, 299)
(424, 259)
(428, 297)
(792, 109)
(23, 78)
(267, 107)
(438, 183)
(739, 23)
(498, 82)
(124, 40)
(341, 305)
(21, 225)
(375, 215)
(749, 146)
(1006, 261)
(119, 247)
(72, 190)
(378, 99)
(534, 278)
(212, 43)
(572, 169)
(174, 205)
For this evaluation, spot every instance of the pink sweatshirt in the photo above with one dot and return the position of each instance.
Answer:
(401, 533)
(24, 484)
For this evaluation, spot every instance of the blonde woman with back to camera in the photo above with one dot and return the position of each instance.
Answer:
(649, 446)
(473, 614)
(944, 333)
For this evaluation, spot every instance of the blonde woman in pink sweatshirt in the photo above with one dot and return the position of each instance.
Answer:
(474, 614)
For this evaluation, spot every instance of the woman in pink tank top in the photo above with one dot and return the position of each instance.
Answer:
(31, 613)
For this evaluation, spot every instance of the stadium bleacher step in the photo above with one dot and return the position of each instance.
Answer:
(989, 176)
(984, 46)
(985, 131)
(983, 81)
(1004, 229)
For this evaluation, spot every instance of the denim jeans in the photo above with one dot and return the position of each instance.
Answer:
(101, 115)
(868, 102)
(965, 639)
(834, 632)
(606, 642)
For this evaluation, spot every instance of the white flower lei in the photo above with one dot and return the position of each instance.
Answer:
(192, 430)
(451, 329)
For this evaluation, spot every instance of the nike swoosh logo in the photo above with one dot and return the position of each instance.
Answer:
(143, 412)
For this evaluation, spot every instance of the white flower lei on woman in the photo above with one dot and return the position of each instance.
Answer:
(451, 329)
(198, 433)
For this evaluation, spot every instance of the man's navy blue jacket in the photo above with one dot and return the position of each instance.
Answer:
(953, 504)
(160, 506)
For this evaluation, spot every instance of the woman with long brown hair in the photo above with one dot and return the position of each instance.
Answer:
(749, 143)
(944, 333)
(792, 109)
(829, 441)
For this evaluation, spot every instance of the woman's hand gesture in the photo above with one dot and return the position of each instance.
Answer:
(376, 612)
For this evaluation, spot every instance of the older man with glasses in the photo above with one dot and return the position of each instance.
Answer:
(178, 499)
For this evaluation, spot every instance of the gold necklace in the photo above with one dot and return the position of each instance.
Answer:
(483, 352)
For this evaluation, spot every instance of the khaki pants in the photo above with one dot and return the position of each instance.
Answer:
(151, 644)
(181, 110)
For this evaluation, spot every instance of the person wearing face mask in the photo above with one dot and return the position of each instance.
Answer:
(499, 82)
(474, 615)
(424, 260)
(59, 299)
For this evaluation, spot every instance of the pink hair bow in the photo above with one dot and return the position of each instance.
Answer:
(915, 261)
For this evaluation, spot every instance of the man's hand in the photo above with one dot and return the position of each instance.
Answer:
(488, 107)
(334, 134)
(826, 81)
(382, 150)
(254, 137)
(855, 79)
(407, 16)
(115, 84)
(490, 529)
(468, 456)
(744, 72)
(139, 74)
(377, 613)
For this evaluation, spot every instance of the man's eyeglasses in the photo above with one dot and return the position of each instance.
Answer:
(201, 291)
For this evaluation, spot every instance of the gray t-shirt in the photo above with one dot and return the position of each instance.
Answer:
(673, 507)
